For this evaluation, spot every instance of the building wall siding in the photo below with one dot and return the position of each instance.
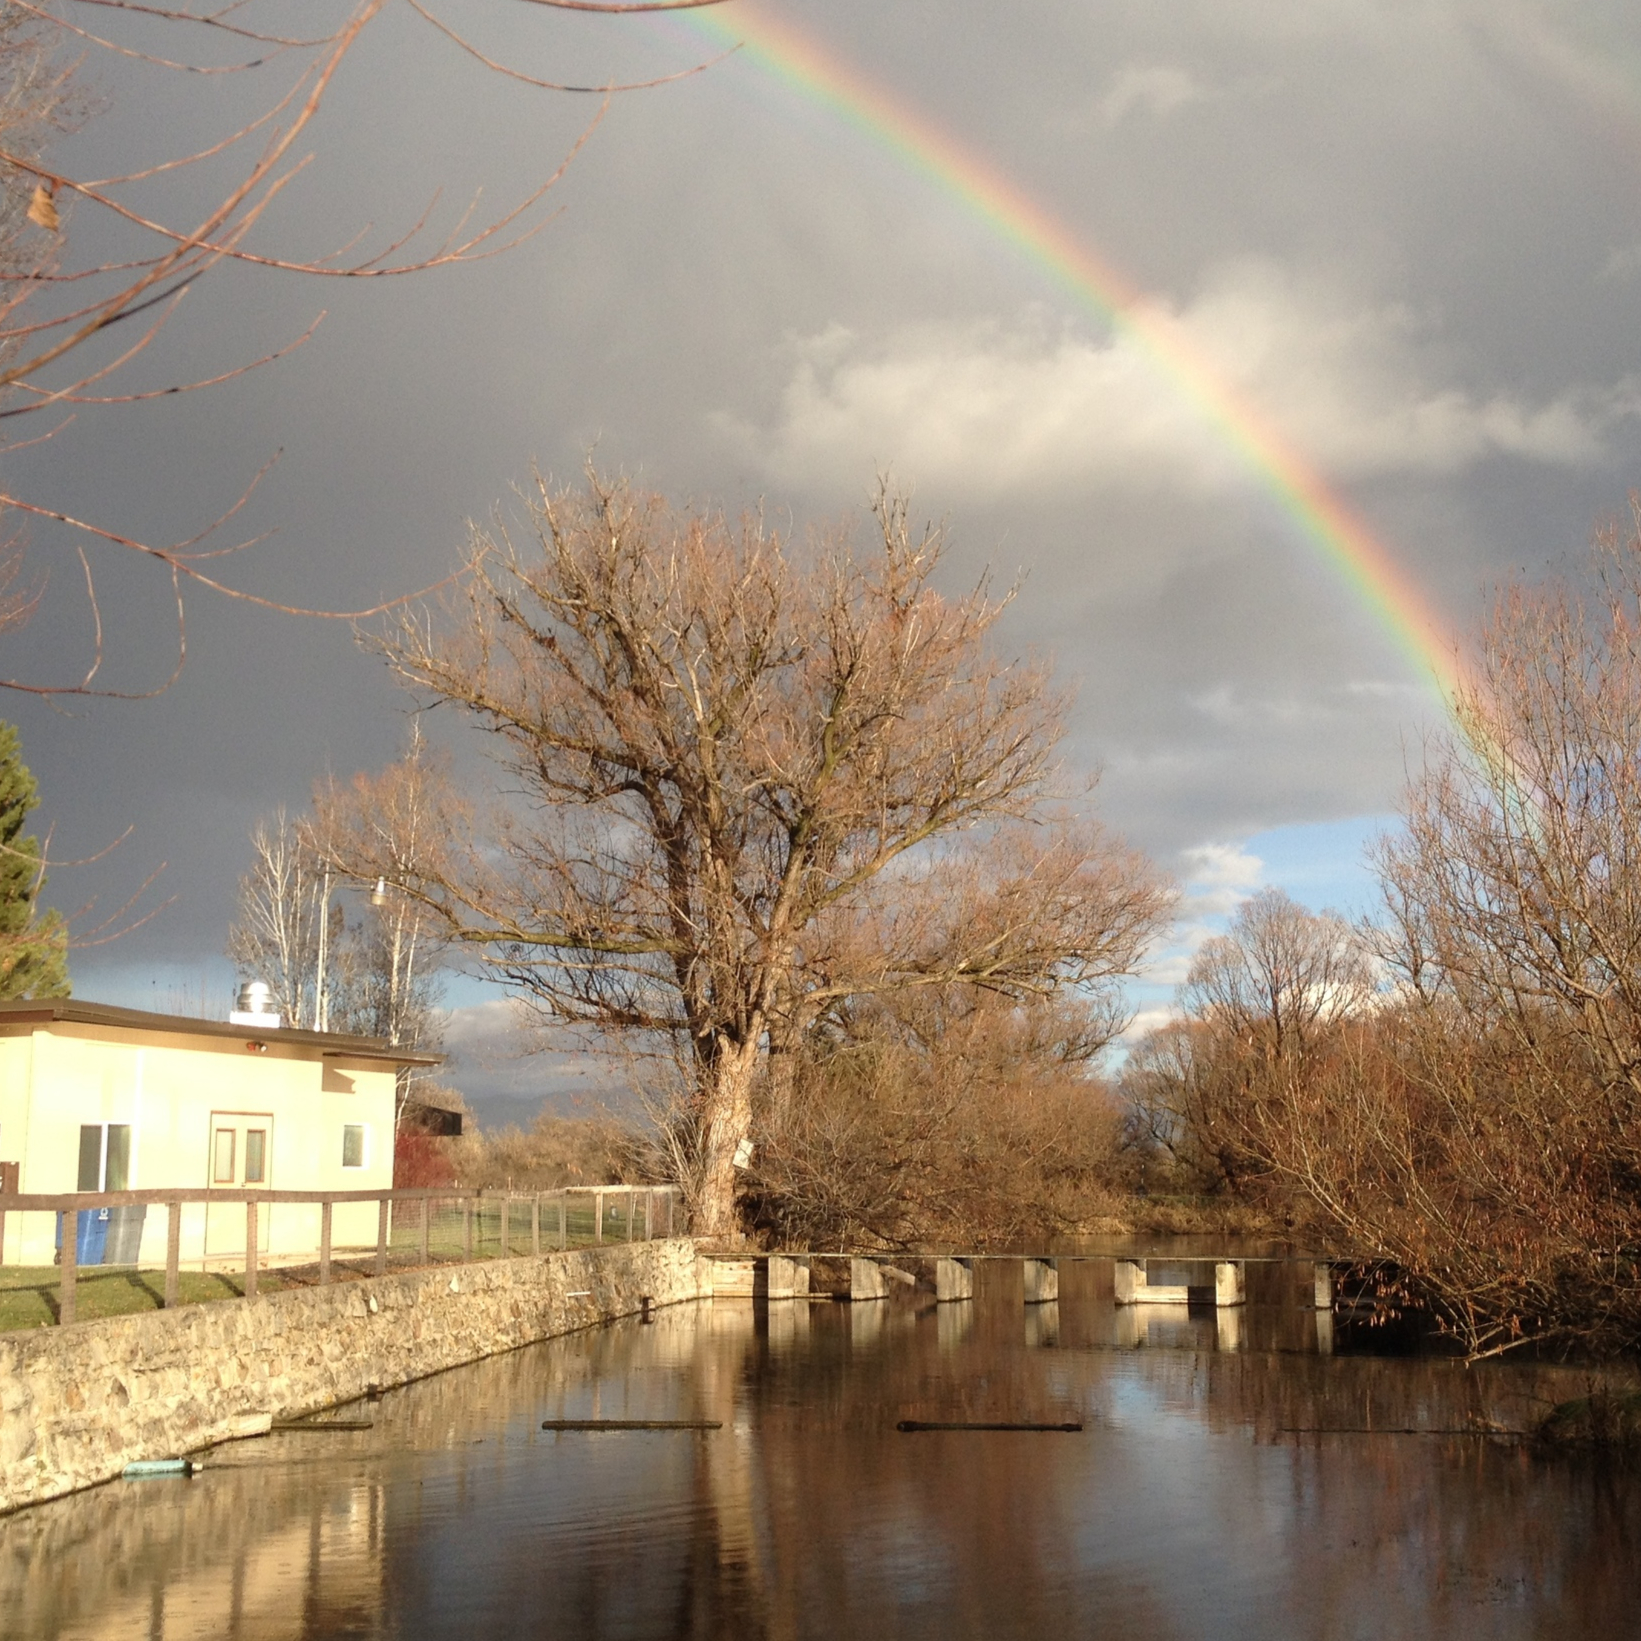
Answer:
(56, 1078)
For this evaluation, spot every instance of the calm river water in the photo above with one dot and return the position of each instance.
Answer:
(1230, 1482)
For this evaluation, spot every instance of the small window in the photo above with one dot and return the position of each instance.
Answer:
(91, 1157)
(353, 1145)
(105, 1157)
(222, 1155)
(256, 1155)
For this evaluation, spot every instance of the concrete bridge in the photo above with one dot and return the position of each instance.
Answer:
(950, 1278)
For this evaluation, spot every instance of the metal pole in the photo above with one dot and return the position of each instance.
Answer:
(563, 1220)
(324, 1241)
(384, 1211)
(321, 1010)
(173, 1253)
(427, 1214)
(598, 1216)
(467, 1229)
(250, 1249)
(506, 1212)
(631, 1198)
(535, 1223)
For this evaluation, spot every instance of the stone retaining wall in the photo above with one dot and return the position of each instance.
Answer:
(78, 1404)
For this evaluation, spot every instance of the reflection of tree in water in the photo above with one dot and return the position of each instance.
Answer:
(825, 1511)
(1186, 1506)
(835, 1523)
(1438, 1525)
(729, 1587)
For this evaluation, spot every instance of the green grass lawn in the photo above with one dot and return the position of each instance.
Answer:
(29, 1294)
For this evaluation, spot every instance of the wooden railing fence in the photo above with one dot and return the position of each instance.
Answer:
(659, 1208)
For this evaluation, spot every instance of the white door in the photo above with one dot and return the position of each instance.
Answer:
(240, 1158)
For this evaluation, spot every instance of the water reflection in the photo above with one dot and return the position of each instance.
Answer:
(1225, 1484)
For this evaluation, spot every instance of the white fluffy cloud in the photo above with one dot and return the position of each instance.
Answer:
(1218, 877)
(983, 409)
(1156, 89)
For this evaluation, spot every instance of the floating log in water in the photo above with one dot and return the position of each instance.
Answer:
(323, 1424)
(978, 1424)
(1392, 1430)
(632, 1424)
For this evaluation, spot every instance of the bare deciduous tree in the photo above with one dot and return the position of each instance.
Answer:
(1264, 1004)
(375, 973)
(391, 820)
(1281, 976)
(1481, 1129)
(282, 905)
(1515, 894)
(749, 783)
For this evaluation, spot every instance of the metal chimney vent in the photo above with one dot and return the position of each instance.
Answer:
(254, 1006)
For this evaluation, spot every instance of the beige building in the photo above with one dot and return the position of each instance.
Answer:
(94, 1098)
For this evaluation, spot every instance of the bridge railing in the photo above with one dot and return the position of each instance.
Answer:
(296, 1237)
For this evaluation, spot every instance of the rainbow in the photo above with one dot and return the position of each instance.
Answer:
(1323, 518)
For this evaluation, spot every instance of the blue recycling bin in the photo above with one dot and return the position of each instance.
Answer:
(90, 1236)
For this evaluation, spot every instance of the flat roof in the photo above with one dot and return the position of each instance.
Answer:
(42, 1010)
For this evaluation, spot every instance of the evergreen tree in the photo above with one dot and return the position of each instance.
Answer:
(33, 949)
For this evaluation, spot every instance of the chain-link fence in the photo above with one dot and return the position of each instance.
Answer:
(64, 1257)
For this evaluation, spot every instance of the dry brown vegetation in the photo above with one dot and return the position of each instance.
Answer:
(944, 1118)
(554, 1151)
(1475, 1116)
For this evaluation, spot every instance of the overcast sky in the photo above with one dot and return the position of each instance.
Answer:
(1409, 233)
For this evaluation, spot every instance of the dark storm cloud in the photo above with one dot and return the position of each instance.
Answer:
(1411, 234)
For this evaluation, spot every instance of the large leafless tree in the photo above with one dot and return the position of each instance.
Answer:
(748, 780)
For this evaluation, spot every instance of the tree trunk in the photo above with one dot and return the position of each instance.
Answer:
(726, 1121)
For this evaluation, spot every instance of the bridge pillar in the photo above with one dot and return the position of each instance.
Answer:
(1041, 1278)
(1324, 1333)
(865, 1280)
(953, 1279)
(1131, 1287)
(1230, 1283)
(1128, 1281)
(779, 1277)
(1323, 1286)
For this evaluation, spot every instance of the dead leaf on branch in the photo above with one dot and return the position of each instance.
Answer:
(42, 209)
